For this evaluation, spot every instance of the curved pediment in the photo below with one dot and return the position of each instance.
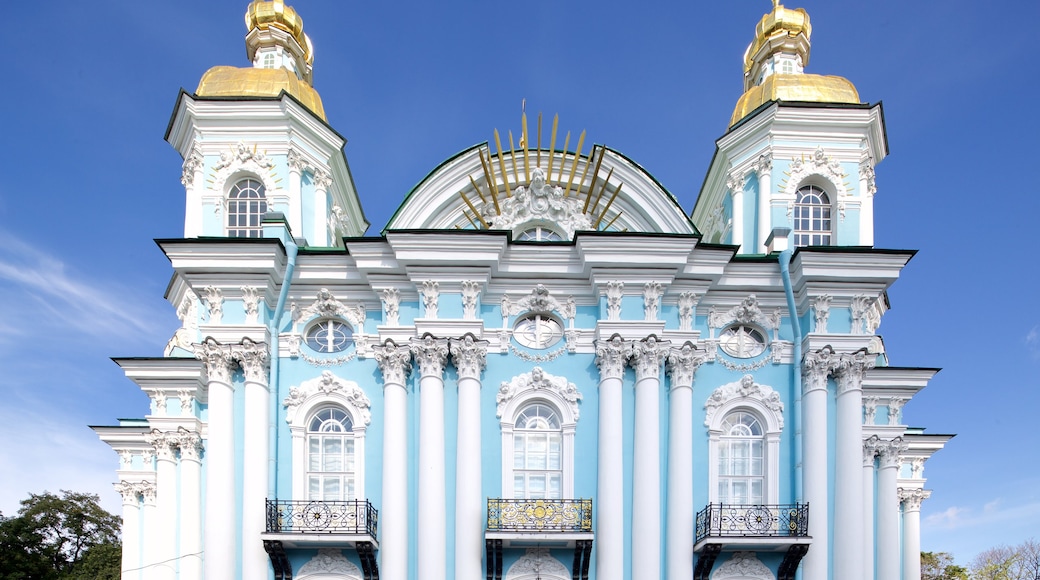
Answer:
(530, 191)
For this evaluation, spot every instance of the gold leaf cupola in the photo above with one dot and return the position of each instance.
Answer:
(774, 66)
(282, 57)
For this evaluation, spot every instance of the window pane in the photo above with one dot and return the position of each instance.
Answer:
(331, 489)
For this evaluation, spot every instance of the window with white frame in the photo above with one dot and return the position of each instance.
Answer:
(812, 217)
(742, 341)
(539, 414)
(741, 460)
(247, 204)
(744, 421)
(539, 234)
(538, 453)
(330, 456)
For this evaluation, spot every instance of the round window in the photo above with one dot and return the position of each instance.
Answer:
(329, 336)
(538, 331)
(742, 341)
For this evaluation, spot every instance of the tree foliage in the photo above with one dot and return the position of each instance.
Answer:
(60, 537)
(1021, 562)
(940, 566)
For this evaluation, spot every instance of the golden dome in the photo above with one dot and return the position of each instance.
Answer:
(264, 14)
(795, 87)
(229, 81)
(780, 22)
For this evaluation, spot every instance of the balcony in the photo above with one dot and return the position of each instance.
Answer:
(760, 528)
(303, 523)
(550, 523)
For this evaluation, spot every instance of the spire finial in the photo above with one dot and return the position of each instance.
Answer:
(776, 4)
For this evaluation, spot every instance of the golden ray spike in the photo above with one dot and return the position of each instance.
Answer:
(472, 223)
(563, 156)
(602, 188)
(480, 194)
(523, 143)
(502, 163)
(607, 207)
(611, 222)
(512, 155)
(574, 165)
(538, 149)
(552, 147)
(595, 175)
(475, 212)
(491, 183)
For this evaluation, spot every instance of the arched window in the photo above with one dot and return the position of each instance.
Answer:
(539, 234)
(812, 217)
(741, 460)
(330, 456)
(538, 453)
(246, 207)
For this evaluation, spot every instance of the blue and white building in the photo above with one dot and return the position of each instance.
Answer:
(542, 366)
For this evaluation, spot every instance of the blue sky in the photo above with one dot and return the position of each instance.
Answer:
(88, 182)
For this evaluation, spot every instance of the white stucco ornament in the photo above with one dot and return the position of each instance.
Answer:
(537, 563)
(329, 561)
(743, 566)
(746, 388)
(324, 386)
(326, 306)
(535, 380)
(539, 203)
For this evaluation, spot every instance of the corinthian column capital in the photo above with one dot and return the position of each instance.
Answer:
(430, 353)
(816, 366)
(912, 498)
(683, 363)
(890, 452)
(610, 357)
(217, 359)
(850, 370)
(252, 357)
(395, 362)
(870, 450)
(164, 444)
(646, 356)
(190, 443)
(469, 356)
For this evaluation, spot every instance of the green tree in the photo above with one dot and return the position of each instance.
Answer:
(940, 566)
(60, 537)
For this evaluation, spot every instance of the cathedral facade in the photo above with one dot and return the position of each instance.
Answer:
(542, 367)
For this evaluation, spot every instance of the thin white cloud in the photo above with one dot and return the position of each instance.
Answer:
(49, 453)
(996, 511)
(1032, 341)
(43, 290)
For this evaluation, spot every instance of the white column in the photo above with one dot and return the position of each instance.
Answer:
(736, 188)
(252, 357)
(395, 364)
(610, 535)
(912, 499)
(220, 523)
(150, 520)
(430, 354)
(816, 367)
(469, 357)
(320, 229)
(162, 545)
(296, 167)
(682, 363)
(191, 505)
(848, 472)
(764, 169)
(646, 357)
(888, 564)
(194, 186)
(867, 189)
(131, 530)
(870, 448)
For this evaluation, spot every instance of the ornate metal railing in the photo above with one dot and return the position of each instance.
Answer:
(539, 515)
(791, 520)
(322, 517)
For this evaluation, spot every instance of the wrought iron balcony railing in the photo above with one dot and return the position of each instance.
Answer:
(753, 521)
(322, 517)
(539, 515)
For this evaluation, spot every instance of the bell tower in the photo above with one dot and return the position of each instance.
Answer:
(796, 167)
(256, 142)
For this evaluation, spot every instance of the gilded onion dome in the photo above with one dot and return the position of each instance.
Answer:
(774, 66)
(282, 58)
